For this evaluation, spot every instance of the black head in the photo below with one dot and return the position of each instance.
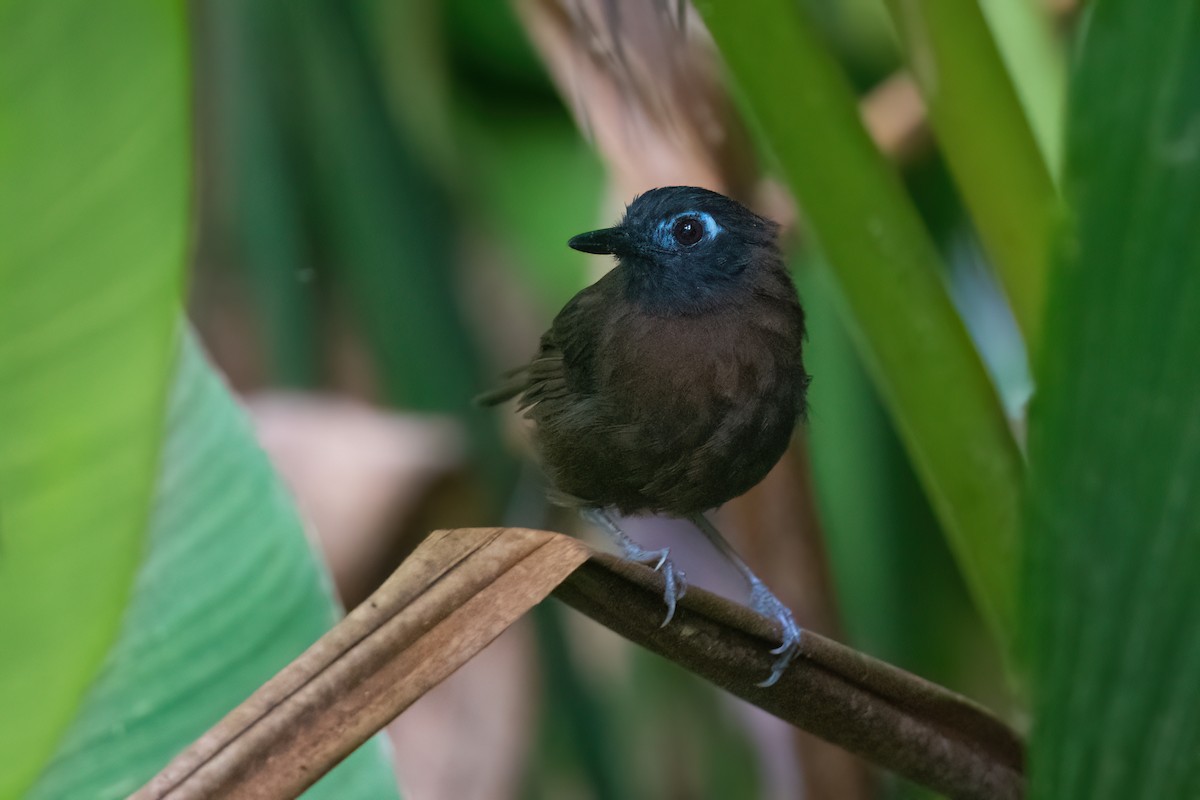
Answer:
(685, 249)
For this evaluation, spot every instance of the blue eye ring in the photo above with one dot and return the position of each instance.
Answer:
(687, 229)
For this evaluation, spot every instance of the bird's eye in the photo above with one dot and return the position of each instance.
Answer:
(688, 230)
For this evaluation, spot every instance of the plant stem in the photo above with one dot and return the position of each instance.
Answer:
(985, 136)
(889, 276)
(890, 717)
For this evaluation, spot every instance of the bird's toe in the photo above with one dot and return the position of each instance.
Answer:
(767, 604)
(674, 579)
(675, 588)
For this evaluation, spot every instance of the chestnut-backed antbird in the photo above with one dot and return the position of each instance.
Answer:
(674, 382)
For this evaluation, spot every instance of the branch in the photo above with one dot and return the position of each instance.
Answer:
(917, 729)
(462, 588)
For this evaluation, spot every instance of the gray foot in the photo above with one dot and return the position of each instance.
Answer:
(658, 560)
(767, 604)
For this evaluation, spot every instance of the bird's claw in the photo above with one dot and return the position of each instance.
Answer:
(674, 578)
(658, 560)
(767, 604)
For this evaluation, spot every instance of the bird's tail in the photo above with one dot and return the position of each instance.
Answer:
(515, 382)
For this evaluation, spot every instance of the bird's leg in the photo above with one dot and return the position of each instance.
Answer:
(656, 559)
(761, 600)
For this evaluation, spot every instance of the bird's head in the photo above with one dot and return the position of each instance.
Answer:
(686, 250)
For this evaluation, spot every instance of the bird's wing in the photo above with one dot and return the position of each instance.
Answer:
(564, 361)
(515, 382)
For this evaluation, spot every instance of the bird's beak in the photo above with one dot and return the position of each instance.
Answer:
(609, 241)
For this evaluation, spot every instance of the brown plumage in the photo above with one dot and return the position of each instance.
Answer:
(673, 383)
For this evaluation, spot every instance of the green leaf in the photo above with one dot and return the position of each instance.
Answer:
(253, 203)
(94, 186)
(387, 222)
(1113, 529)
(888, 273)
(1025, 35)
(983, 132)
(539, 184)
(229, 593)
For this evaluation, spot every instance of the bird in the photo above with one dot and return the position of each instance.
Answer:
(674, 383)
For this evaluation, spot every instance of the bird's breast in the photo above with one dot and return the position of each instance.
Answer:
(680, 413)
(727, 380)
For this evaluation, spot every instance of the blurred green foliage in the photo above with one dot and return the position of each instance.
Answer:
(365, 167)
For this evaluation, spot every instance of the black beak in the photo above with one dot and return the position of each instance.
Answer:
(609, 241)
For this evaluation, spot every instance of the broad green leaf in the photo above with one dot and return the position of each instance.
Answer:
(888, 274)
(94, 188)
(1113, 529)
(229, 593)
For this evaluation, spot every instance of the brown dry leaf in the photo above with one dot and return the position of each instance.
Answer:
(445, 603)
(644, 83)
